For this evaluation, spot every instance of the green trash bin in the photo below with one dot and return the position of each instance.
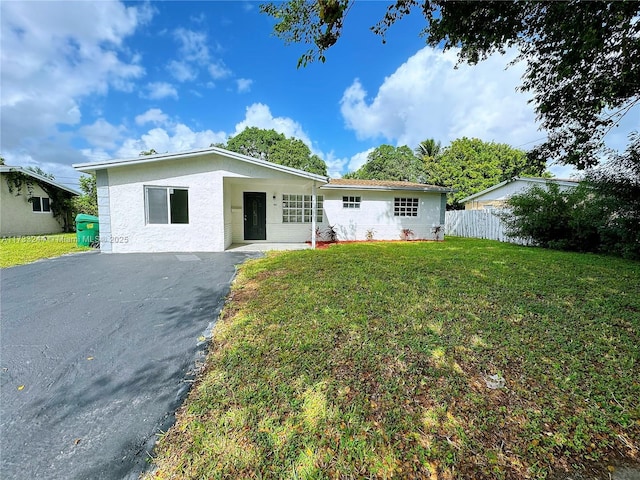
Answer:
(87, 229)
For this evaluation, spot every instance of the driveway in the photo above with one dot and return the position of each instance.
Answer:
(97, 352)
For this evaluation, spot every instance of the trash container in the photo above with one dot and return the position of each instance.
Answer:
(87, 229)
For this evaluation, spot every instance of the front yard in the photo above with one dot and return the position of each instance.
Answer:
(29, 248)
(376, 361)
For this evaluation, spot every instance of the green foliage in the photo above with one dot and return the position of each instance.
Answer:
(41, 172)
(88, 201)
(581, 57)
(391, 163)
(146, 153)
(369, 361)
(470, 165)
(1, 160)
(275, 147)
(428, 149)
(600, 215)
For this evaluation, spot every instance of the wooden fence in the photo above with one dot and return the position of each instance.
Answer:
(478, 224)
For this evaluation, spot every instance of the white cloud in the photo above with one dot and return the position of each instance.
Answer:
(75, 47)
(193, 45)
(176, 138)
(218, 70)
(182, 71)
(358, 160)
(160, 90)
(427, 98)
(244, 84)
(259, 115)
(153, 115)
(102, 134)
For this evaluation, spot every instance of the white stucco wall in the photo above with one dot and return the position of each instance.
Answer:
(376, 213)
(215, 188)
(17, 216)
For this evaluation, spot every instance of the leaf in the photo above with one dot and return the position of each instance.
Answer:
(20, 388)
(89, 358)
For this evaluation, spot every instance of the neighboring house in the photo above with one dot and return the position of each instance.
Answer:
(207, 200)
(497, 195)
(26, 208)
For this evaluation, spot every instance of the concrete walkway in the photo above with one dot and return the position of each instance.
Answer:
(265, 247)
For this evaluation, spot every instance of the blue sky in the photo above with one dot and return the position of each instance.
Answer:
(85, 81)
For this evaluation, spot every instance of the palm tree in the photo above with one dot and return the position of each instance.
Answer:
(428, 148)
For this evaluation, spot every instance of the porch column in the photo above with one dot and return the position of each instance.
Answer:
(314, 204)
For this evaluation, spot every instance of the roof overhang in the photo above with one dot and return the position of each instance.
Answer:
(92, 167)
(386, 188)
(8, 169)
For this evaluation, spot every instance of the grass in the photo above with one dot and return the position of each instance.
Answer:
(371, 361)
(29, 248)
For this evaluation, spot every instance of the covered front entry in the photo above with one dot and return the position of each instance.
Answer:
(255, 215)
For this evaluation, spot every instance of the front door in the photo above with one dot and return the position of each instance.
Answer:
(255, 216)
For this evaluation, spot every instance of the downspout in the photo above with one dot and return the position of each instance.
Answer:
(314, 204)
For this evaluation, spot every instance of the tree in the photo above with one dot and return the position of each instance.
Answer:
(275, 147)
(1, 160)
(88, 201)
(145, 153)
(470, 165)
(428, 149)
(41, 172)
(391, 163)
(581, 57)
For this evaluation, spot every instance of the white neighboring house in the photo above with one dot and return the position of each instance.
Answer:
(206, 200)
(27, 209)
(497, 195)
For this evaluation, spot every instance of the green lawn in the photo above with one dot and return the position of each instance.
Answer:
(371, 361)
(29, 248)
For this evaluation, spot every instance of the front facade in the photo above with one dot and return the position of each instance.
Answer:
(25, 207)
(497, 195)
(207, 200)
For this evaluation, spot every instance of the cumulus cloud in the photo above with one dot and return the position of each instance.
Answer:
(102, 134)
(76, 47)
(160, 90)
(358, 160)
(219, 70)
(182, 71)
(427, 98)
(153, 115)
(244, 84)
(259, 115)
(175, 138)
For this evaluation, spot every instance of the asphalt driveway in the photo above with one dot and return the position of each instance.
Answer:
(96, 353)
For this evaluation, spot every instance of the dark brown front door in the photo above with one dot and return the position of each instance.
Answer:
(255, 216)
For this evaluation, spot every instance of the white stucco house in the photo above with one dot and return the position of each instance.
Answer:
(497, 195)
(207, 200)
(25, 207)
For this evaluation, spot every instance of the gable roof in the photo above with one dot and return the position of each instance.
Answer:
(91, 167)
(544, 181)
(8, 168)
(355, 184)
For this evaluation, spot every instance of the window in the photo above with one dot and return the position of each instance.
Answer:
(405, 207)
(40, 204)
(297, 208)
(167, 205)
(350, 202)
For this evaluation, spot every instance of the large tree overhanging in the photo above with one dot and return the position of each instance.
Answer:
(583, 58)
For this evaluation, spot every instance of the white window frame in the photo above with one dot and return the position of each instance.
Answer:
(405, 206)
(297, 208)
(41, 203)
(169, 191)
(351, 201)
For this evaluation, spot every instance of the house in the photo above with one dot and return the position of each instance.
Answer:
(207, 200)
(497, 195)
(28, 203)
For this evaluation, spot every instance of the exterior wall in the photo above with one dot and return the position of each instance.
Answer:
(213, 212)
(497, 198)
(17, 216)
(277, 231)
(376, 213)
